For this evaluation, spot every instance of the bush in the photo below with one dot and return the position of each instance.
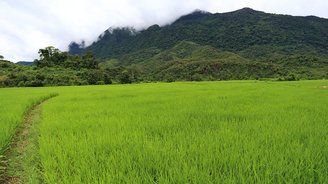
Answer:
(34, 83)
(289, 77)
(100, 83)
(196, 77)
(125, 78)
(21, 84)
(107, 79)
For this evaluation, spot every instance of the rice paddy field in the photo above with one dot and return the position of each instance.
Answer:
(206, 132)
(13, 104)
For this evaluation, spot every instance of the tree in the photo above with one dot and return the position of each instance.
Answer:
(48, 52)
(125, 77)
(1, 57)
(49, 56)
(93, 76)
(89, 61)
(3, 80)
(107, 79)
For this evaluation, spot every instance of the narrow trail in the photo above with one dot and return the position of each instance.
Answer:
(12, 166)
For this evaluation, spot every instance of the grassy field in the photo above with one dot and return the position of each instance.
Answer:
(13, 104)
(208, 132)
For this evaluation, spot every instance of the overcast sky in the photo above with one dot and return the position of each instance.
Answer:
(27, 25)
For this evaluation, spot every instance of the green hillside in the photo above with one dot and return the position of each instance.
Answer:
(238, 31)
(244, 44)
(240, 45)
(190, 61)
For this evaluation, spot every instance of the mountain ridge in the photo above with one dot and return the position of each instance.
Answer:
(233, 31)
(281, 43)
(242, 45)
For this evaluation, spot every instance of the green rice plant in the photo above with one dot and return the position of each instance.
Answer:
(14, 103)
(207, 132)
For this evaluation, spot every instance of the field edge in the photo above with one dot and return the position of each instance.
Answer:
(20, 161)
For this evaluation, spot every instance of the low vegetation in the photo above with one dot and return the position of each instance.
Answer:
(13, 104)
(239, 132)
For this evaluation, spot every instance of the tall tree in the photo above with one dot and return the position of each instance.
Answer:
(89, 61)
(49, 56)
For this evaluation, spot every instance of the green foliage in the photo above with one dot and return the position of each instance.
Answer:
(186, 61)
(125, 77)
(244, 44)
(56, 68)
(252, 32)
(89, 61)
(289, 77)
(107, 79)
(53, 57)
(13, 104)
(92, 76)
(204, 132)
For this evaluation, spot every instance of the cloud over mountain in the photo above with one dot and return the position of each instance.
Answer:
(27, 26)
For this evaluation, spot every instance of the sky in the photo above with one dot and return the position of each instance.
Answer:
(28, 25)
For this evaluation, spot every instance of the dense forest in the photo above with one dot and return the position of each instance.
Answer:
(56, 68)
(242, 31)
(244, 44)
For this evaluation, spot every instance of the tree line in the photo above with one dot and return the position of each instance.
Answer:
(57, 68)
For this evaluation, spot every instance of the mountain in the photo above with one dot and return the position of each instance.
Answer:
(243, 44)
(190, 61)
(25, 63)
(240, 45)
(242, 31)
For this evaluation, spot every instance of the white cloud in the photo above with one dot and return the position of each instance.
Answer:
(29, 25)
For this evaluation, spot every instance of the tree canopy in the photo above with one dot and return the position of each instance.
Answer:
(51, 56)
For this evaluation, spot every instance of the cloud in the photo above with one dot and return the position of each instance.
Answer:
(27, 26)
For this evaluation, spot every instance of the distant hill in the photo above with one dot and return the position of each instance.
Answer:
(242, 31)
(190, 61)
(260, 44)
(25, 63)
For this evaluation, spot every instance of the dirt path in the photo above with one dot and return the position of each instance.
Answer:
(12, 165)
